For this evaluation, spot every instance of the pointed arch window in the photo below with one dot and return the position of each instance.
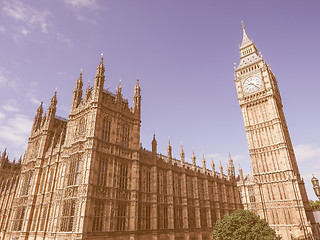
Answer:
(106, 129)
(125, 135)
(73, 171)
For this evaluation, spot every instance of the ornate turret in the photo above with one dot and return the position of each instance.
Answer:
(119, 92)
(137, 98)
(154, 145)
(38, 118)
(221, 170)
(99, 78)
(193, 158)
(231, 171)
(316, 187)
(182, 156)
(204, 167)
(53, 107)
(77, 93)
(213, 168)
(240, 172)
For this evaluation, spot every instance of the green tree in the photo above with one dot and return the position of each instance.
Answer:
(243, 225)
(315, 205)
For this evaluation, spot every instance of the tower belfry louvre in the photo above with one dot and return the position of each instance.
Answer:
(276, 191)
(87, 177)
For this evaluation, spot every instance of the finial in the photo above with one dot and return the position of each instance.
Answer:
(102, 56)
(55, 91)
(242, 24)
(137, 77)
(168, 140)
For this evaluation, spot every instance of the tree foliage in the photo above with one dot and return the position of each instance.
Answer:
(315, 205)
(243, 225)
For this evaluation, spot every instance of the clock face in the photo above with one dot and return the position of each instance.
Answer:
(252, 84)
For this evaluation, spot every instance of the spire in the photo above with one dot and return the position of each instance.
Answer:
(53, 106)
(4, 154)
(231, 171)
(99, 80)
(77, 92)
(38, 117)
(245, 39)
(136, 97)
(100, 68)
(53, 102)
(182, 156)
(193, 158)
(119, 88)
(204, 167)
(213, 167)
(40, 109)
(248, 51)
(221, 170)
(154, 145)
(169, 150)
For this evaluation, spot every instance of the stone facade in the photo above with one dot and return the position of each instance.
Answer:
(276, 190)
(87, 177)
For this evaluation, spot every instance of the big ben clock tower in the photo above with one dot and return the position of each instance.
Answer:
(279, 194)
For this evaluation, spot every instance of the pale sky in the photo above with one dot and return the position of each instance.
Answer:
(183, 51)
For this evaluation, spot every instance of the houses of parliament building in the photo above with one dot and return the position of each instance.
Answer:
(87, 177)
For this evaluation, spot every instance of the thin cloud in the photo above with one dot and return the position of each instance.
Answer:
(15, 130)
(31, 20)
(85, 10)
(307, 152)
(10, 106)
(32, 17)
(7, 79)
(91, 4)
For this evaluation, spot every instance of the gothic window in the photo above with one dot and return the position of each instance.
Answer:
(178, 219)
(122, 216)
(73, 171)
(19, 217)
(123, 172)
(177, 185)
(98, 216)
(191, 214)
(190, 187)
(145, 179)
(125, 135)
(67, 215)
(26, 183)
(203, 217)
(251, 194)
(162, 216)
(102, 172)
(144, 216)
(106, 130)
